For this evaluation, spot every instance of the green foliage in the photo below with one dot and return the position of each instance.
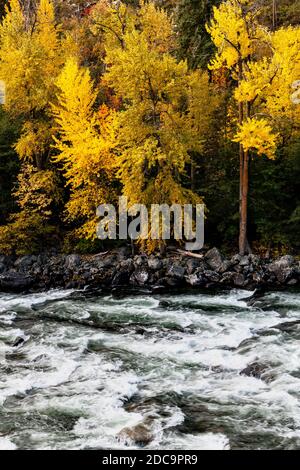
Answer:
(26, 234)
(194, 41)
(8, 164)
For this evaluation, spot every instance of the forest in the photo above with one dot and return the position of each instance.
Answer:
(176, 101)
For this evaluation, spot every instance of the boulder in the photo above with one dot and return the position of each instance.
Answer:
(239, 280)
(225, 266)
(139, 277)
(127, 264)
(256, 369)
(15, 282)
(72, 262)
(155, 264)
(195, 264)
(195, 280)
(245, 260)
(214, 259)
(139, 435)
(212, 276)
(25, 262)
(121, 278)
(177, 271)
(282, 268)
(140, 261)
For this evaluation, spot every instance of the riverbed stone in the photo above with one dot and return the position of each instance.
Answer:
(112, 269)
(155, 264)
(139, 435)
(214, 259)
(177, 271)
(139, 277)
(16, 282)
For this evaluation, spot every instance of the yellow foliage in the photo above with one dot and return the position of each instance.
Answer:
(157, 122)
(257, 134)
(29, 58)
(84, 142)
(37, 191)
(235, 31)
(265, 64)
(34, 141)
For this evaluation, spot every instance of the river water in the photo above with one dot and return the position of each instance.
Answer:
(76, 370)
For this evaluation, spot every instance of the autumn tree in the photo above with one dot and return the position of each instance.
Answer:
(263, 65)
(85, 141)
(162, 119)
(30, 57)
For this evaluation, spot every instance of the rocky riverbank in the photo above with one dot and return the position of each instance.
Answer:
(118, 269)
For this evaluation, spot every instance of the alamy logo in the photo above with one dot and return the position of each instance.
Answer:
(2, 92)
(296, 95)
(161, 222)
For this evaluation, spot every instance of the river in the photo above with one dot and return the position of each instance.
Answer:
(81, 372)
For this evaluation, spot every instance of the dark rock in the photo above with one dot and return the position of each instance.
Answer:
(258, 294)
(214, 259)
(239, 280)
(212, 276)
(282, 268)
(2, 268)
(255, 369)
(194, 264)
(228, 278)
(196, 280)
(140, 261)
(72, 261)
(121, 278)
(288, 327)
(236, 259)
(155, 264)
(159, 289)
(170, 282)
(164, 303)
(139, 277)
(127, 264)
(15, 282)
(225, 266)
(177, 271)
(245, 261)
(18, 342)
(25, 262)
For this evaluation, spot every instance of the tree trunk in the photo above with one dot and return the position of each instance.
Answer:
(193, 171)
(243, 241)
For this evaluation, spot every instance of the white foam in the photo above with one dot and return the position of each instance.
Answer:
(6, 444)
(204, 361)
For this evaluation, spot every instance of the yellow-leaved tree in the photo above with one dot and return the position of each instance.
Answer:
(85, 142)
(30, 60)
(264, 65)
(166, 109)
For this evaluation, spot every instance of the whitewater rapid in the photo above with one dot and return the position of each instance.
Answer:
(77, 370)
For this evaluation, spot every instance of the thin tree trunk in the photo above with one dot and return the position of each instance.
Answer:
(193, 171)
(244, 246)
(243, 241)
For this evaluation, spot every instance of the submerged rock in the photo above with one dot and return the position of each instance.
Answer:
(255, 369)
(140, 435)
